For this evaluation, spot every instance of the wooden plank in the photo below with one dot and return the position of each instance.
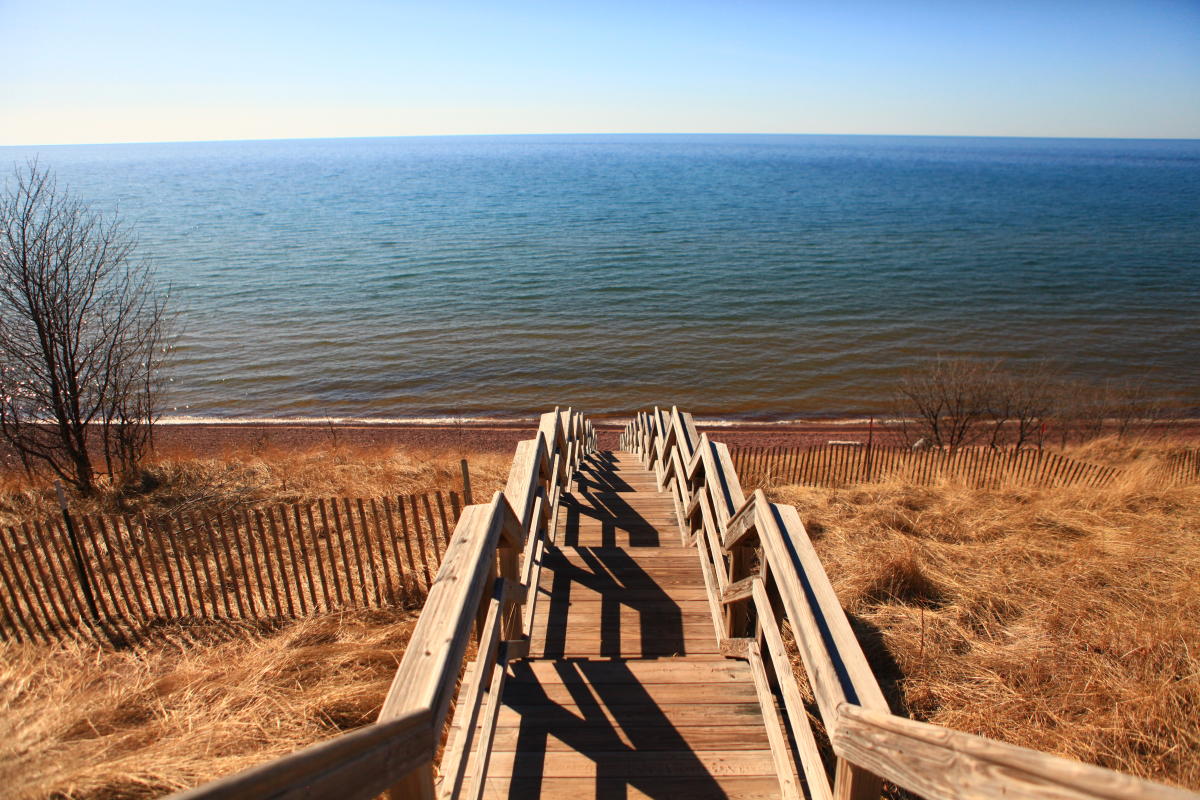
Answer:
(305, 555)
(240, 584)
(430, 666)
(585, 735)
(481, 758)
(781, 751)
(623, 763)
(713, 787)
(348, 533)
(356, 765)
(466, 713)
(222, 580)
(266, 557)
(738, 591)
(741, 524)
(198, 554)
(183, 542)
(336, 568)
(631, 693)
(43, 620)
(797, 714)
(804, 612)
(943, 764)
(583, 671)
(369, 548)
(521, 488)
(290, 585)
(420, 537)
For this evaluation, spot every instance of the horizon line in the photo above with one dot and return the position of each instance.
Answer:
(233, 140)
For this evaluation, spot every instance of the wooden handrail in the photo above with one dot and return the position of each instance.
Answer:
(481, 583)
(359, 764)
(760, 568)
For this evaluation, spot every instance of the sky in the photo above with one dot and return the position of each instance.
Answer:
(176, 70)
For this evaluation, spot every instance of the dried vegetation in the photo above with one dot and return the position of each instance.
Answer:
(196, 703)
(173, 484)
(1062, 620)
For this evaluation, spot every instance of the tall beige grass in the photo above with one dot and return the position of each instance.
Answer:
(251, 476)
(197, 703)
(1062, 620)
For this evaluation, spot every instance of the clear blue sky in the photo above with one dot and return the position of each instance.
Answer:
(180, 70)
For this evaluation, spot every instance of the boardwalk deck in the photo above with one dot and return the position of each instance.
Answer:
(625, 693)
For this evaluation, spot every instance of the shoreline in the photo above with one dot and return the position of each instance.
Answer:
(220, 438)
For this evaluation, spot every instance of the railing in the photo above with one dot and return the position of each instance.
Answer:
(83, 575)
(487, 583)
(760, 569)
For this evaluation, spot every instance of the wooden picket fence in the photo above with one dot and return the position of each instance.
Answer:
(981, 467)
(114, 576)
(1182, 467)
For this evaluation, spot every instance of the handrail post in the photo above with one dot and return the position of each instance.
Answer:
(852, 782)
(416, 785)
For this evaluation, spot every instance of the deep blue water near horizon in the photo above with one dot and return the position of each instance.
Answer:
(744, 276)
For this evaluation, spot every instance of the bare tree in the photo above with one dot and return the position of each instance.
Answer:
(1020, 403)
(83, 334)
(946, 403)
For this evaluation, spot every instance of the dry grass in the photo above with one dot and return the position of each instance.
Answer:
(199, 702)
(251, 477)
(1063, 620)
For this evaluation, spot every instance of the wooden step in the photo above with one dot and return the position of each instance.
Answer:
(640, 788)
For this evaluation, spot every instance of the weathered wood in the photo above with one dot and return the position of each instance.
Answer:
(781, 751)
(738, 591)
(478, 678)
(359, 764)
(943, 764)
(266, 554)
(793, 701)
(416, 519)
(429, 669)
(287, 582)
(741, 524)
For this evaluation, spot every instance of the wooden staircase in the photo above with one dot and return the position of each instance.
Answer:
(625, 692)
(589, 635)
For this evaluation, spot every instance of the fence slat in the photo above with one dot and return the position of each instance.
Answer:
(369, 549)
(27, 586)
(333, 562)
(284, 581)
(316, 543)
(400, 572)
(299, 540)
(53, 587)
(416, 517)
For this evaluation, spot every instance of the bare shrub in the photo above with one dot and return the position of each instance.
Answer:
(83, 334)
(945, 403)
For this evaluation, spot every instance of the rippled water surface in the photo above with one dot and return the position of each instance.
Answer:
(749, 276)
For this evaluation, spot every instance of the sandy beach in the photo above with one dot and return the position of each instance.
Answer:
(214, 439)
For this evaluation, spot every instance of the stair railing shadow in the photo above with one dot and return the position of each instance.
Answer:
(605, 729)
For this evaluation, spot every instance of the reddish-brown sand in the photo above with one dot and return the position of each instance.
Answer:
(217, 439)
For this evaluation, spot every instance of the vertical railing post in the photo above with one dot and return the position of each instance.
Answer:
(852, 782)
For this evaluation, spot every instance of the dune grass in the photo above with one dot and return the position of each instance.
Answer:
(195, 703)
(171, 484)
(1061, 620)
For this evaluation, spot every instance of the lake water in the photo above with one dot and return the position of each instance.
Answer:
(744, 276)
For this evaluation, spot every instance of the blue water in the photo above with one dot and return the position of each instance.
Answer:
(758, 276)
